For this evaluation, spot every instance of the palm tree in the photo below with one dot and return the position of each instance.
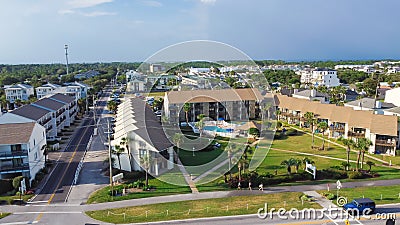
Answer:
(112, 106)
(297, 163)
(362, 145)
(45, 150)
(311, 120)
(323, 126)
(345, 165)
(178, 140)
(186, 108)
(145, 162)
(370, 164)
(230, 148)
(288, 163)
(278, 113)
(200, 123)
(125, 142)
(349, 143)
(118, 150)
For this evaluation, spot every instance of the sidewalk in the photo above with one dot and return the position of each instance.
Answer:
(319, 199)
(188, 177)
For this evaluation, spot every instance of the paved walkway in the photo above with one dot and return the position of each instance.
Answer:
(188, 177)
(319, 199)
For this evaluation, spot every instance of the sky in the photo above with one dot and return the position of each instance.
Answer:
(35, 31)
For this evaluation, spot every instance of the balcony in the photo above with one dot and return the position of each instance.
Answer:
(355, 134)
(14, 154)
(338, 129)
(45, 121)
(386, 143)
(15, 168)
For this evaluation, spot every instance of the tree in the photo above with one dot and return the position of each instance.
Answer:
(254, 132)
(230, 148)
(311, 120)
(112, 106)
(348, 143)
(17, 182)
(322, 126)
(118, 151)
(186, 108)
(362, 145)
(200, 123)
(125, 142)
(288, 163)
(178, 140)
(145, 162)
(345, 165)
(297, 163)
(370, 164)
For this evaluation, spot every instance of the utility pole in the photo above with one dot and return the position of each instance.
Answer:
(87, 105)
(94, 111)
(109, 159)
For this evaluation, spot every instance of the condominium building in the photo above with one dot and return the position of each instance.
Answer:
(382, 130)
(46, 89)
(18, 91)
(319, 77)
(144, 135)
(227, 104)
(74, 89)
(21, 149)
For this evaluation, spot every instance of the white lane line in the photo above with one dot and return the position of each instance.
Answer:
(22, 222)
(48, 212)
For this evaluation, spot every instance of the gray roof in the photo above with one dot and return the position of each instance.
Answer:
(394, 110)
(149, 126)
(20, 86)
(63, 98)
(369, 103)
(307, 93)
(30, 112)
(49, 103)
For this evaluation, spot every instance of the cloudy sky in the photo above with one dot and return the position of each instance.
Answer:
(132, 30)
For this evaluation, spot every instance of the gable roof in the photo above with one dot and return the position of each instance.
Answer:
(14, 118)
(16, 133)
(30, 111)
(49, 103)
(223, 95)
(63, 98)
(369, 103)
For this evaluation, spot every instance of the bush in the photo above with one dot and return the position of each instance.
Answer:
(359, 175)
(328, 195)
(331, 173)
(16, 183)
(134, 175)
(291, 132)
(5, 186)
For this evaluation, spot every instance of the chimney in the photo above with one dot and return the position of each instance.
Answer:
(313, 93)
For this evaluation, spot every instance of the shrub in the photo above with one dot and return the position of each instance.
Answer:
(359, 175)
(5, 186)
(328, 195)
(16, 183)
(331, 173)
(134, 175)
(291, 132)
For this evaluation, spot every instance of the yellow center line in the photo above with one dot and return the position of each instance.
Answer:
(39, 217)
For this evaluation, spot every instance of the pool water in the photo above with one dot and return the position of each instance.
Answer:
(218, 129)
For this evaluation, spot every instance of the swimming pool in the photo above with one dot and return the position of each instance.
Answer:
(218, 129)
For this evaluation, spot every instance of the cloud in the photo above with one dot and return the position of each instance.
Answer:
(208, 2)
(75, 4)
(66, 11)
(98, 13)
(152, 3)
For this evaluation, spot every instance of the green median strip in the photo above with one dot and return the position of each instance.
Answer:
(238, 205)
(380, 194)
(2, 215)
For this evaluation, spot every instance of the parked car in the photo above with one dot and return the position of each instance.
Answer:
(360, 206)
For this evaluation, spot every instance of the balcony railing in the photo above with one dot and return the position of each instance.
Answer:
(45, 121)
(355, 134)
(387, 143)
(14, 154)
(338, 129)
(15, 168)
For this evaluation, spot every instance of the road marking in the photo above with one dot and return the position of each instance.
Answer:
(22, 222)
(49, 212)
(307, 222)
(65, 171)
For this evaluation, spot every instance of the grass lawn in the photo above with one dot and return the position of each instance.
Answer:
(2, 215)
(10, 198)
(390, 194)
(156, 94)
(201, 208)
(162, 188)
